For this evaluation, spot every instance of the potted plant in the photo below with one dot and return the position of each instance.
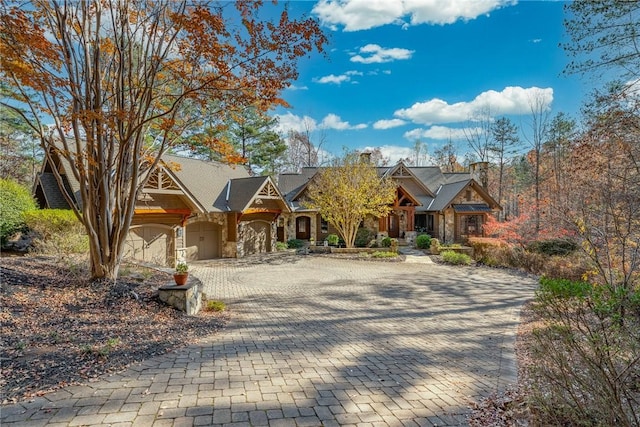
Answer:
(181, 274)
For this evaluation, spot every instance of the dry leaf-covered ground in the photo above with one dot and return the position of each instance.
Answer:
(510, 408)
(59, 329)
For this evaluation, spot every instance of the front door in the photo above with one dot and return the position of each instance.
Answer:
(303, 228)
(394, 225)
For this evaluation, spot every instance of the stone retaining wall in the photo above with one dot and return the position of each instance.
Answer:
(187, 298)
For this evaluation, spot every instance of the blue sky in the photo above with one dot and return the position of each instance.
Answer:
(396, 71)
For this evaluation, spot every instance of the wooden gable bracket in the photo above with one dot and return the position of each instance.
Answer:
(268, 191)
(161, 182)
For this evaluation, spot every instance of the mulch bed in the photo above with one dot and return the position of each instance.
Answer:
(59, 329)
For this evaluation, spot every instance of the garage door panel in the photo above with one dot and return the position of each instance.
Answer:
(203, 241)
(151, 244)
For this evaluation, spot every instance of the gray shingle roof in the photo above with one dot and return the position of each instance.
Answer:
(242, 190)
(206, 181)
(54, 197)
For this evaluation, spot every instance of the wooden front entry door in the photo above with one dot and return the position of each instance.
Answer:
(394, 225)
(303, 228)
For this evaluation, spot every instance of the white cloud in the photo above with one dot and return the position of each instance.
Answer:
(356, 15)
(288, 121)
(333, 121)
(388, 124)
(440, 132)
(393, 152)
(294, 87)
(511, 100)
(339, 79)
(332, 78)
(536, 40)
(375, 54)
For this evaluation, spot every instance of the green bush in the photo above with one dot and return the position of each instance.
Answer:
(456, 258)
(562, 288)
(333, 239)
(281, 246)
(215, 305)
(559, 247)
(364, 236)
(57, 231)
(384, 254)
(423, 241)
(386, 242)
(14, 201)
(295, 243)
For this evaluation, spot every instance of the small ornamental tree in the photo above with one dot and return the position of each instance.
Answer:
(349, 191)
(125, 81)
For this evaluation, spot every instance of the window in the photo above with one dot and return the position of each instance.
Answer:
(324, 226)
(471, 225)
(423, 223)
(468, 195)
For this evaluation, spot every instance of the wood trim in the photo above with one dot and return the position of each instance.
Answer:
(162, 211)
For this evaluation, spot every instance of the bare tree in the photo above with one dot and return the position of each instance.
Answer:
(539, 126)
(302, 151)
(478, 134)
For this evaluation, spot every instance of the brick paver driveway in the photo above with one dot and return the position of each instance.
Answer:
(317, 341)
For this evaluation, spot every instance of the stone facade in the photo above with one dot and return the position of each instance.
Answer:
(187, 298)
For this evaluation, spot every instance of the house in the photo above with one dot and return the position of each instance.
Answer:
(449, 206)
(189, 209)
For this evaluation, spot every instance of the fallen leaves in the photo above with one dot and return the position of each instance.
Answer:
(59, 329)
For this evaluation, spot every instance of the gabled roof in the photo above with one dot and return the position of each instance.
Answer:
(400, 172)
(447, 193)
(241, 193)
(50, 191)
(204, 180)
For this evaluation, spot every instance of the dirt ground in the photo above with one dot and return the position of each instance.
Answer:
(60, 329)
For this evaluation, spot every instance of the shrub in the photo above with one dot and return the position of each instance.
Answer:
(386, 242)
(215, 305)
(559, 247)
(364, 236)
(57, 231)
(295, 243)
(281, 246)
(384, 254)
(333, 239)
(14, 201)
(484, 247)
(423, 241)
(452, 257)
(586, 352)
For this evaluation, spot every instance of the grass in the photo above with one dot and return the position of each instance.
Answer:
(215, 305)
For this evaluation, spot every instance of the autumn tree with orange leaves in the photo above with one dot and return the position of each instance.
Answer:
(123, 81)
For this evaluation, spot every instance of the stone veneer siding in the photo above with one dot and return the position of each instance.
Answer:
(187, 298)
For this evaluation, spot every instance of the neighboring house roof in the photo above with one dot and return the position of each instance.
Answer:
(54, 199)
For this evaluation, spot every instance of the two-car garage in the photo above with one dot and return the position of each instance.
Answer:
(155, 243)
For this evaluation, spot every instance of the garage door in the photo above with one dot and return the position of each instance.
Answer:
(257, 237)
(150, 243)
(203, 241)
